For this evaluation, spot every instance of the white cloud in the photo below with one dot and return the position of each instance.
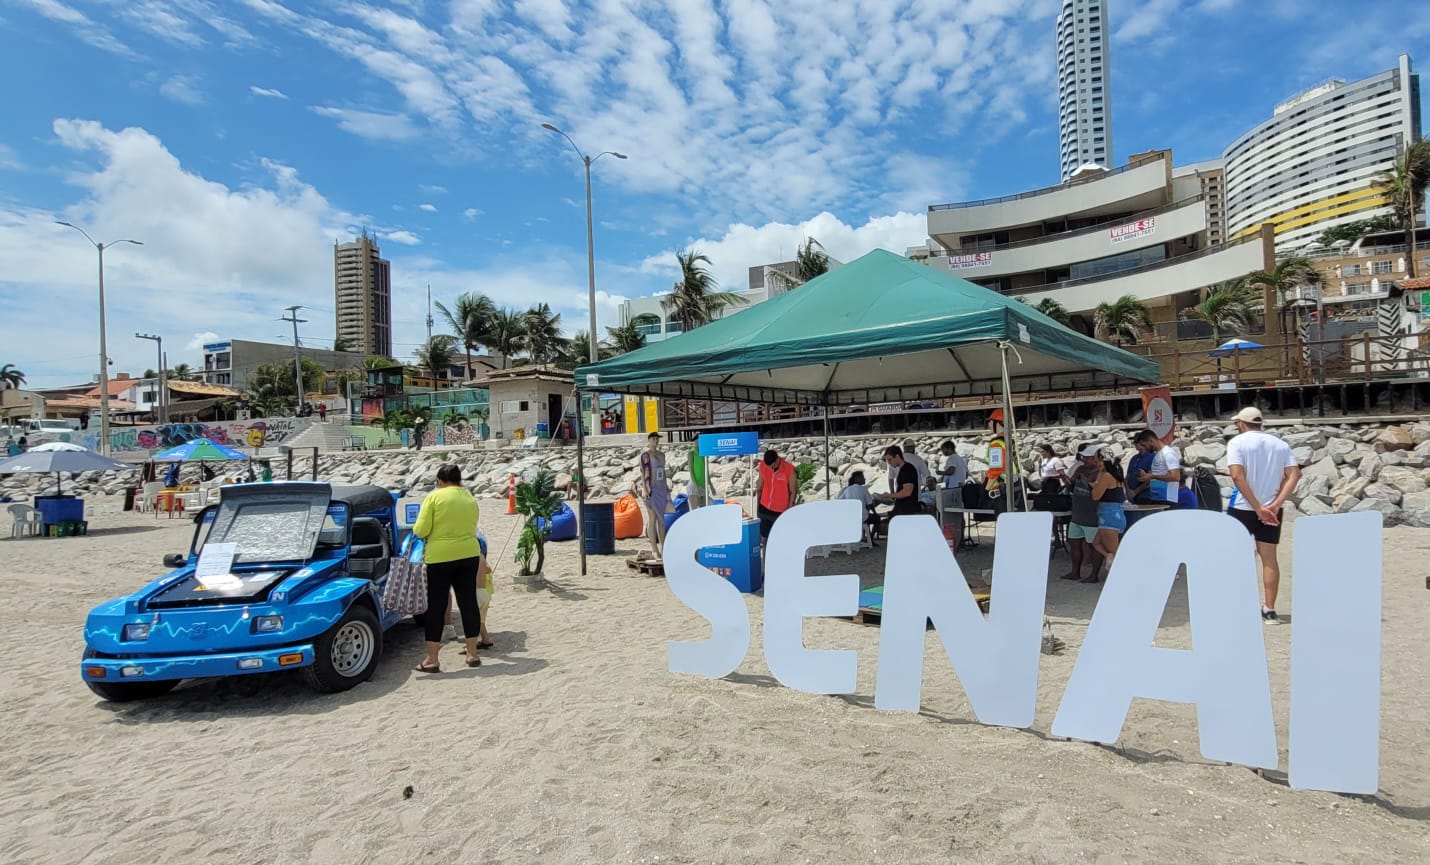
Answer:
(200, 286)
(183, 89)
(406, 238)
(471, 213)
(376, 125)
(432, 189)
(9, 159)
(83, 26)
(430, 208)
(197, 344)
(266, 91)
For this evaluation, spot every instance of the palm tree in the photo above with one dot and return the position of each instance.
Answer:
(695, 300)
(1404, 185)
(543, 333)
(11, 377)
(1052, 309)
(575, 350)
(1229, 307)
(342, 343)
(508, 334)
(1277, 284)
(181, 372)
(811, 260)
(1127, 317)
(455, 419)
(470, 319)
(629, 336)
(377, 362)
(436, 354)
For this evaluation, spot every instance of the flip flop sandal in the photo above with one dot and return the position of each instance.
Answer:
(485, 644)
(474, 662)
(423, 668)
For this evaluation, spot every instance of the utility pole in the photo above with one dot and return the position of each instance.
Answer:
(292, 316)
(160, 414)
(429, 313)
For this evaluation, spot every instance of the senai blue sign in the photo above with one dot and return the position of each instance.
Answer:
(729, 444)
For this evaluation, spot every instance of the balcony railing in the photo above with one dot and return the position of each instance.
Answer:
(1067, 184)
(1076, 232)
(1132, 271)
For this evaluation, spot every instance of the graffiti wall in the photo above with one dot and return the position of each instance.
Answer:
(252, 434)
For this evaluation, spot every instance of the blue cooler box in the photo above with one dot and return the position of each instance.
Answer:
(738, 563)
(54, 510)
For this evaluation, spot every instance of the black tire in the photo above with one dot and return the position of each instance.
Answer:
(341, 660)
(127, 692)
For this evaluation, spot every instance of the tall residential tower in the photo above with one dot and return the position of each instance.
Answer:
(1084, 94)
(362, 292)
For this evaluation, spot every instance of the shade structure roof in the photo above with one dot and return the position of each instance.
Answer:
(879, 329)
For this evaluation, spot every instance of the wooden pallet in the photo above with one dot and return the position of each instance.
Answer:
(649, 567)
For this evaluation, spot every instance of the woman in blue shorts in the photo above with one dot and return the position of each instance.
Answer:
(1097, 498)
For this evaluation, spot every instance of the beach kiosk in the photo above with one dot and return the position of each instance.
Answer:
(739, 563)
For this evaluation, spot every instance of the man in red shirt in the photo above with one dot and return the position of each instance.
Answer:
(774, 490)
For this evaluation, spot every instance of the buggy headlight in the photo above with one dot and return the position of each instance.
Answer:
(136, 632)
(267, 624)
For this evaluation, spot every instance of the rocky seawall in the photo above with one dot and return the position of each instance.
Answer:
(1345, 467)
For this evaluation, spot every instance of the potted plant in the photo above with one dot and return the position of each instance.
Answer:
(539, 502)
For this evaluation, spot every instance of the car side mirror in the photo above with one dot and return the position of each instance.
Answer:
(175, 560)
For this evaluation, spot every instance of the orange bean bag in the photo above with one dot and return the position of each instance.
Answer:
(628, 518)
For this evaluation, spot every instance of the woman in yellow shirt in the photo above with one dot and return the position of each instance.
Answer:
(447, 522)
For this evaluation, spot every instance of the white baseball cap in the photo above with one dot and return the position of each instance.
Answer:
(1250, 414)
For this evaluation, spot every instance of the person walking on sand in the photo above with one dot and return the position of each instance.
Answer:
(654, 492)
(1265, 474)
(447, 521)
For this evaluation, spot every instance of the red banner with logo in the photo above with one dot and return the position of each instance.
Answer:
(1157, 409)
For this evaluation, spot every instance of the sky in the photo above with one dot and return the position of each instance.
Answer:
(239, 139)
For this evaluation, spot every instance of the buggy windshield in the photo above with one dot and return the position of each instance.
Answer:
(282, 525)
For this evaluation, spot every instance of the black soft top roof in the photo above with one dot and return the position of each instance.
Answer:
(359, 499)
(363, 499)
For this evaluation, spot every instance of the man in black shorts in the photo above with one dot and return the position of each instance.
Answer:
(1265, 474)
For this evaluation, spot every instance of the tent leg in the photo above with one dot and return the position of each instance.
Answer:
(581, 485)
(1010, 429)
(826, 454)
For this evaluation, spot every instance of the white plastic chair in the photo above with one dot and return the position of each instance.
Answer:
(27, 521)
(149, 495)
(193, 501)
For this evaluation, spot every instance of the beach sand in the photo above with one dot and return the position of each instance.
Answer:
(572, 744)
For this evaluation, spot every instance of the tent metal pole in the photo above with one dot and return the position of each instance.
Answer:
(1010, 428)
(826, 453)
(581, 484)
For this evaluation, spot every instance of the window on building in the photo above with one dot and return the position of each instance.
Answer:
(1351, 270)
(1380, 267)
(1357, 288)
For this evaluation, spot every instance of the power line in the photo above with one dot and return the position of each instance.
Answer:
(292, 316)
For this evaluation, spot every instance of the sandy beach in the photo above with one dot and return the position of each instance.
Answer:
(572, 744)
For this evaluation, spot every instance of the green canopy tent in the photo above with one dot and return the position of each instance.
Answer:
(879, 329)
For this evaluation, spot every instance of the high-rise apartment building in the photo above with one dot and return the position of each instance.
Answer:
(1084, 91)
(1312, 165)
(362, 293)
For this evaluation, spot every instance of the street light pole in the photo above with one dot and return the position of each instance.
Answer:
(292, 316)
(593, 349)
(160, 415)
(103, 347)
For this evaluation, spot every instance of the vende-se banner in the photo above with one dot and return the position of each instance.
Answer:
(972, 259)
(1157, 408)
(1140, 228)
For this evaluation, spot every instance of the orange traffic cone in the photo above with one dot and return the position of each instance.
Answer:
(511, 494)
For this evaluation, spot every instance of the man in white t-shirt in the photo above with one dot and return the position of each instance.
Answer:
(955, 467)
(1165, 476)
(1265, 474)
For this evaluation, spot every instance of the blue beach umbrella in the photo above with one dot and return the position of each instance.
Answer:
(200, 450)
(1234, 346)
